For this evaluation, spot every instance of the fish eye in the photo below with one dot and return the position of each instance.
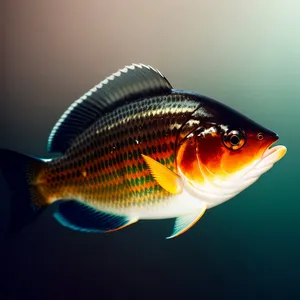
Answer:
(234, 139)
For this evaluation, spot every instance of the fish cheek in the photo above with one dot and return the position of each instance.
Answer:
(234, 161)
(187, 161)
(210, 150)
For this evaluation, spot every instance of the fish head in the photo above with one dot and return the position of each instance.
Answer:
(221, 152)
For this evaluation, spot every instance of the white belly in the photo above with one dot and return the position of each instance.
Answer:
(171, 207)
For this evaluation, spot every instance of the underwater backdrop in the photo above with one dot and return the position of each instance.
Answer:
(243, 53)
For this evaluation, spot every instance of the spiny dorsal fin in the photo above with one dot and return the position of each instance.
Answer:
(129, 84)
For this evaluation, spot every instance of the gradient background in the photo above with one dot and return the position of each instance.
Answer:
(244, 53)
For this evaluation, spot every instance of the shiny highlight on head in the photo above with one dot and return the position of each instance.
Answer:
(219, 160)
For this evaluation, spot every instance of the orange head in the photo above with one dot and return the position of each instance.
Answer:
(220, 152)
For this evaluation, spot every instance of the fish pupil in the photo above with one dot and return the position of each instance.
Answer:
(234, 140)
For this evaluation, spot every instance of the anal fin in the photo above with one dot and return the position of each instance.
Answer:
(82, 217)
(184, 223)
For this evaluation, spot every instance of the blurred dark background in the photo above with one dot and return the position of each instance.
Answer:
(244, 53)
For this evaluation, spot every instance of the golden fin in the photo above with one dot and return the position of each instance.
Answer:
(166, 178)
(184, 223)
(130, 222)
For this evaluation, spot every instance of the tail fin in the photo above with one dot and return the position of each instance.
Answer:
(21, 173)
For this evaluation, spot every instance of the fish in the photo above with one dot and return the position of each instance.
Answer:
(135, 148)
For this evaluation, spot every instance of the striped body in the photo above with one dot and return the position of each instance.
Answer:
(135, 148)
(104, 167)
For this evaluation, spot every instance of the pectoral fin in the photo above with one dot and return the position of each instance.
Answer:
(166, 178)
(183, 223)
(79, 216)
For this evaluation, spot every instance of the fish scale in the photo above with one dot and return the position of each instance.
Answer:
(104, 166)
(135, 148)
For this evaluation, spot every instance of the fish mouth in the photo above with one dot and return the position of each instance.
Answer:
(275, 153)
(271, 156)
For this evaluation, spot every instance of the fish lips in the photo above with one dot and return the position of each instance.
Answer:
(273, 154)
(268, 159)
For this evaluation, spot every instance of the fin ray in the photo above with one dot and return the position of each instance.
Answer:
(82, 217)
(129, 84)
(21, 172)
(184, 223)
(166, 178)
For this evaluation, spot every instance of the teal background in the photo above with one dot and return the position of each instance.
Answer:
(243, 53)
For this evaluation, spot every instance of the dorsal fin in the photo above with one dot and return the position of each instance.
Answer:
(129, 84)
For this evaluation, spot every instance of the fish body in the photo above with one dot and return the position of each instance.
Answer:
(135, 148)
(105, 169)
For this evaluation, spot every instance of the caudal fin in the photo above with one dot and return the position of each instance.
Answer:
(21, 173)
